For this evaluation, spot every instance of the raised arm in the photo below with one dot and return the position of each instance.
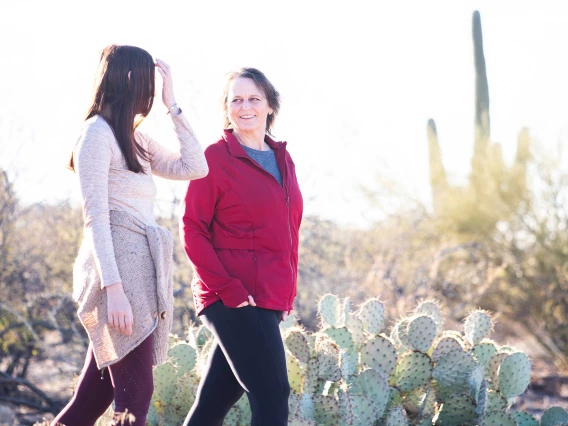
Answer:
(197, 213)
(189, 163)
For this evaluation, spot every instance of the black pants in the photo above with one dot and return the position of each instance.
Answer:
(247, 356)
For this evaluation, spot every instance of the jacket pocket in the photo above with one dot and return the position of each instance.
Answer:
(274, 278)
(240, 264)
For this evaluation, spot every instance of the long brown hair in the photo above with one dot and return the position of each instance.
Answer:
(272, 95)
(119, 97)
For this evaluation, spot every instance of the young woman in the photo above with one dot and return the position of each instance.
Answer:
(122, 274)
(240, 228)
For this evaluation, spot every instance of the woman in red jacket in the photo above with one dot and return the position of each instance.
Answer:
(240, 228)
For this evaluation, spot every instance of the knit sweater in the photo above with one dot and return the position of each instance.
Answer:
(107, 184)
(122, 242)
(144, 258)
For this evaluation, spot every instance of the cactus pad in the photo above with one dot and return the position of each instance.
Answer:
(431, 309)
(374, 385)
(421, 333)
(355, 326)
(349, 359)
(183, 399)
(328, 360)
(297, 344)
(311, 377)
(483, 352)
(372, 314)
(202, 336)
(514, 375)
(454, 369)
(413, 370)
(397, 417)
(493, 368)
(298, 421)
(524, 419)
(165, 381)
(380, 354)
(345, 312)
(445, 346)
(427, 409)
(356, 410)
(184, 357)
(329, 310)
(341, 336)
(306, 407)
(395, 398)
(326, 410)
(478, 388)
(477, 326)
(233, 417)
(295, 374)
(497, 418)
(554, 416)
(495, 402)
(399, 334)
(458, 409)
(293, 404)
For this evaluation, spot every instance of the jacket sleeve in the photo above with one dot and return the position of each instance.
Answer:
(198, 210)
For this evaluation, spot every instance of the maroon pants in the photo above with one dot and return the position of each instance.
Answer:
(129, 383)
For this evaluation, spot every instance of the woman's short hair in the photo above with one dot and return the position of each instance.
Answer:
(272, 95)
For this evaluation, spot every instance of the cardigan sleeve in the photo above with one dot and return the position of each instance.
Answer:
(198, 210)
(189, 163)
(93, 155)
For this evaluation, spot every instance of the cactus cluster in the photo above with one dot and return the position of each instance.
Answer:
(351, 373)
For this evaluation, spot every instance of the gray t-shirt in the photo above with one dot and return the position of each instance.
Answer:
(267, 160)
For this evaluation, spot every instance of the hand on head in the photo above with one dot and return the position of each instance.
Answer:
(164, 70)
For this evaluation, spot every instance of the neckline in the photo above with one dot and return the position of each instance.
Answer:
(248, 148)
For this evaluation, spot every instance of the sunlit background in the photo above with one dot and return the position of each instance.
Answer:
(358, 79)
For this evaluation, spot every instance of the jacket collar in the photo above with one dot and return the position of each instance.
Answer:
(237, 150)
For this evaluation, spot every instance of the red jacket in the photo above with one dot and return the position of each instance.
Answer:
(240, 228)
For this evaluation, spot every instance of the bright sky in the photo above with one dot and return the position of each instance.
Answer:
(359, 80)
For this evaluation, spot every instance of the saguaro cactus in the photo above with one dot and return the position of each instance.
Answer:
(494, 190)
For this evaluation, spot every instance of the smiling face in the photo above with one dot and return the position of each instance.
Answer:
(247, 106)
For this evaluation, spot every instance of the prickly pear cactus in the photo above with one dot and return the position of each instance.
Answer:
(379, 353)
(413, 370)
(431, 309)
(514, 375)
(349, 373)
(554, 416)
(372, 315)
(329, 309)
(524, 419)
(397, 417)
(477, 326)
(496, 418)
(421, 332)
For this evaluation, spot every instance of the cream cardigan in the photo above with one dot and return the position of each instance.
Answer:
(144, 261)
(122, 241)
